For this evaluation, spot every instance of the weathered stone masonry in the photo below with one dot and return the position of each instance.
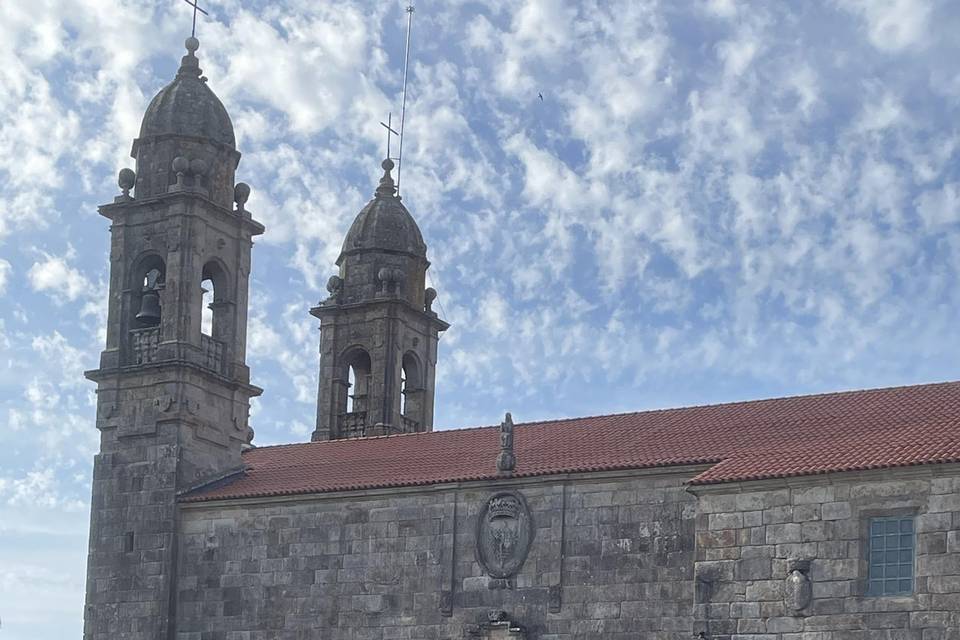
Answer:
(635, 556)
(616, 562)
(469, 533)
(748, 533)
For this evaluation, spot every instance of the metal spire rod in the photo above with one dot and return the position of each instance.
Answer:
(403, 106)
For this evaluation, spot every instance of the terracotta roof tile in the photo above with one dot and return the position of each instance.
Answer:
(794, 436)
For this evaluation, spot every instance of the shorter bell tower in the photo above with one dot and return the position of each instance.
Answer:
(378, 330)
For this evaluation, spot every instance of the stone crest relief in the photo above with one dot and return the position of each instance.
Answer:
(504, 534)
(798, 591)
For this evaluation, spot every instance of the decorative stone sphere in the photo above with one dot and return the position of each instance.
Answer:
(241, 193)
(192, 44)
(181, 164)
(429, 295)
(126, 179)
(383, 274)
(387, 164)
(198, 167)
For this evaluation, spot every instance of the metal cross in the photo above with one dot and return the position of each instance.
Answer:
(196, 7)
(390, 131)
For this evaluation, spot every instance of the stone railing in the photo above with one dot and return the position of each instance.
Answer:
(212, 353)
(145, 349)
(409, 426)
(353, 424)
(144, 345)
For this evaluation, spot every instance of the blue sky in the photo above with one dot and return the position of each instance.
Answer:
(714, 201)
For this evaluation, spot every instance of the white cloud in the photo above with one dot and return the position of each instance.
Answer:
(5, 270)
(939, 207)
(54, 276)
(893, 25)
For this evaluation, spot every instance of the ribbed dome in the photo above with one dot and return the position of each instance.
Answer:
(188, 107)
(384, 224)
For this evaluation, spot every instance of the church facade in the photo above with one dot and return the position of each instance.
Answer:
(829, 517)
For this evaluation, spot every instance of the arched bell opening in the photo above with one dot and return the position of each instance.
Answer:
(148, 281)
(148, 278)
(354, 392)
(215, 313)
(215, 300)
(411, 392)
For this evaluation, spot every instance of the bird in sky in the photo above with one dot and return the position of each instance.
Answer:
(540, 95)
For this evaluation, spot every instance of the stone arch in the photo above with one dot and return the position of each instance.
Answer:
(215, 299)
(147, 278)
(411, 390)
(356, 369)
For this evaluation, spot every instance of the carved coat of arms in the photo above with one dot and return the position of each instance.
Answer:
(504, 534)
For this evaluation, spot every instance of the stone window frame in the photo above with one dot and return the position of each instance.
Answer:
(865, 516)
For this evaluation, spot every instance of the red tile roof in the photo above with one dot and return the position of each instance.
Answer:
(782, 437)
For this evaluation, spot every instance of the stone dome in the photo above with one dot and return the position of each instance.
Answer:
(384, 224)
(188, 107)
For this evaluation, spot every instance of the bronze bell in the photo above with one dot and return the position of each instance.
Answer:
(149, 313)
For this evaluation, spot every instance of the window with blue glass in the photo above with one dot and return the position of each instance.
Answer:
(891, 556)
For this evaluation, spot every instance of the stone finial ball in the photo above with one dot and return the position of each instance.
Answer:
(241, 193)
(126, 179)
(198, 167)
(383, 274)
(430, 294)
(192, 44)
(387, 164)
(334, 284)
(181, 164)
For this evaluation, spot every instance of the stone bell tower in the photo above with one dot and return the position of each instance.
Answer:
(378, 331)
(173, 387)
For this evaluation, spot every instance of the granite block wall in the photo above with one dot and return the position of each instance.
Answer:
(749, 535)
(610, 558)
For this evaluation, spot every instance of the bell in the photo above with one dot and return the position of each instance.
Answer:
(149, 308)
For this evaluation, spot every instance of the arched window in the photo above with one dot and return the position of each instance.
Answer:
(353, 398)
(214, 296)
(145, 310)
(358, 380)
(148, 282)
(215, 328)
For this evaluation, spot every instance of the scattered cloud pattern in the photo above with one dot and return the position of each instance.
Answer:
(711, 202)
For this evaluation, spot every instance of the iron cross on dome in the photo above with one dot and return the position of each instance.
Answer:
(196, 7)
(390, 132)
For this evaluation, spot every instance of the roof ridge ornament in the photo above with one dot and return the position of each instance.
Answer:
(507, 460)
(386, 188)
(190, 64)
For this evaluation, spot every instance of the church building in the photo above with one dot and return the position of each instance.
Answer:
(826, 517)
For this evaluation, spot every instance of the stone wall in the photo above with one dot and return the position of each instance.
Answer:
(611, 557)
(748, 535)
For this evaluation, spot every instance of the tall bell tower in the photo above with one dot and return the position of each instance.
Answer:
(173, 387)
(378, 330)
